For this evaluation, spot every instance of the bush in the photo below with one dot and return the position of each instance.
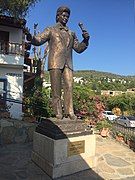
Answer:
(86, 103)
(104, 123)
(38, 104)
(125, 102)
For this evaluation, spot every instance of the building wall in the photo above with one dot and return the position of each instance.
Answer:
(111, 93)
(11, 68)
(15, 34)
(14, 78)
(11, 59)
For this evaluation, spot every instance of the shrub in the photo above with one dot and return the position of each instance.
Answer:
(38, 103)
(86, 103)
(104, 123)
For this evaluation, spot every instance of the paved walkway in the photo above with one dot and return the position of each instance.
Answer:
(114, 161)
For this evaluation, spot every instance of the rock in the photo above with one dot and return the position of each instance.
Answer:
(20, 136)
(125, 171)
(15, 131)
(105, 168)
(8, 134)
(108, 176)
(21, 174)
(129, 178)
(115, 161)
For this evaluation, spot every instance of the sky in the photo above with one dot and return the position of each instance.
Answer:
(110, 23)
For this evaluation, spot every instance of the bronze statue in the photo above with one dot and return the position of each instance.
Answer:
(61, 41)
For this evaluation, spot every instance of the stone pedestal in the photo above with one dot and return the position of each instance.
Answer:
(60, 151)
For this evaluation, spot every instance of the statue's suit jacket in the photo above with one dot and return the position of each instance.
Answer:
(60, 52)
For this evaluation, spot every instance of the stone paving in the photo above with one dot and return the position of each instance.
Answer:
(114, 161)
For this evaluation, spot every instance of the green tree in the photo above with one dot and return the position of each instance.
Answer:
(126, 102)
(16, 8)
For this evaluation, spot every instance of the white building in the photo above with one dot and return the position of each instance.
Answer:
(11, 64)
(78, 80)
(47, 85)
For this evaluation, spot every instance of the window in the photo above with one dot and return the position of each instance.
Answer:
(4, 42)
(110, 113)
(3, 91)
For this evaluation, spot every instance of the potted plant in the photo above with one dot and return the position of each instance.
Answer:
(104, 127)
(120, 136)
(131, 141)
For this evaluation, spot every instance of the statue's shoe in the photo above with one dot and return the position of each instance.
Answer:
(73, 117)
(59, 116)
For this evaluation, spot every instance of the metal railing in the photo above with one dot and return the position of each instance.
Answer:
(123, 129)
(11, 48)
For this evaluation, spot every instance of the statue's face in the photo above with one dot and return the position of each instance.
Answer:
(63, 18)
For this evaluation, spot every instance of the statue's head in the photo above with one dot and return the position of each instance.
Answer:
(60, 10)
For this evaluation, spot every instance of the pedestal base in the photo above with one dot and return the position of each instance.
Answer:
(64, 156)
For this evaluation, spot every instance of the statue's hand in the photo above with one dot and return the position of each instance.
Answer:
(28, 34)
(29, 37)
(86, 35)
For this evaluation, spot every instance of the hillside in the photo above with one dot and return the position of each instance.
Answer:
(98, 74)
(90, 74)
(98, 80)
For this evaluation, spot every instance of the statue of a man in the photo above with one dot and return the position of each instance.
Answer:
(61, 41)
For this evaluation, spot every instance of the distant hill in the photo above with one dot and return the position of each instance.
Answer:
(98, 80)
(99, 74)
(90, 74)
